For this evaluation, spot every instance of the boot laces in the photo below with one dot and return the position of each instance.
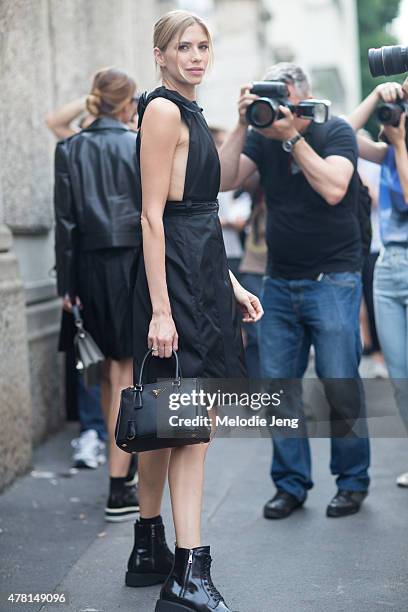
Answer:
(214, 592)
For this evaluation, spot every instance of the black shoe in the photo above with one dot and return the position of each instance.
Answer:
(122, 505)
(189, 586)
(345, 503)
(150, 561)
(281, 505)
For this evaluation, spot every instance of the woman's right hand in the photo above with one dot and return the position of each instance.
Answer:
(390, 92)
(163, 337)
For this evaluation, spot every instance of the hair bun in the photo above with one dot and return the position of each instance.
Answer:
(93, 104)
(111, 90)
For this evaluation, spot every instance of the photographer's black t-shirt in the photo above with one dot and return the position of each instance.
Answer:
(305, 235)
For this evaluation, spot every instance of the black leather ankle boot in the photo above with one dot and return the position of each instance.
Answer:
(150, 561)
(189, 586)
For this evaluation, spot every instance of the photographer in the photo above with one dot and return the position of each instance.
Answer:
(312, 291)
(391, 269)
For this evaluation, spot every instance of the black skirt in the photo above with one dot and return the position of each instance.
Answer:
(105, 282)
(202, 300)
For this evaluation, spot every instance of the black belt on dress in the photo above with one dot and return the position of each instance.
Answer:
(189, 207)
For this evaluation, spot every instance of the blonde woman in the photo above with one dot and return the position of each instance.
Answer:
(186, 300)
(98, 240)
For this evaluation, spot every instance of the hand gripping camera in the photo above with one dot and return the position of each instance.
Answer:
(264, 111)
(390, 113)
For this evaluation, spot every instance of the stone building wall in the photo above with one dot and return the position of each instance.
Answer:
(49, 50)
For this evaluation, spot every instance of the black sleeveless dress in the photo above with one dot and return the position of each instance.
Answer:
(200, 291)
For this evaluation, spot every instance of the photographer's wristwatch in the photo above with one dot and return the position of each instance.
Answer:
(287, 145)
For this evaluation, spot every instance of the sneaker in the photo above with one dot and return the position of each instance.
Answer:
(122, 506)
(89, 450)
(402, 480)
(378, 370)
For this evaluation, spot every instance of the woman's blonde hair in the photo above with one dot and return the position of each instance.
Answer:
(111, 90)
(174, 24)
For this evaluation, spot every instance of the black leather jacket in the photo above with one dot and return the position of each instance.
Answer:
(97, 195)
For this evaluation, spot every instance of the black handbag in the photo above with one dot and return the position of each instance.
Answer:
(146, 420)
(87, 352)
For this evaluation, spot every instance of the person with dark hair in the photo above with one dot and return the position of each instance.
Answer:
(98, 241)
(391, 268)
(312, 289)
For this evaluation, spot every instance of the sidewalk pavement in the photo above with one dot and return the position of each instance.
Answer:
(53, 537)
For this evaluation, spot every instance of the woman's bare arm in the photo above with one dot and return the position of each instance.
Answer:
(160, 133)
(370, 150)
(384, 92)
(59, 121)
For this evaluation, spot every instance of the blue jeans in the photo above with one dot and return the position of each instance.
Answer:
(89, 408)
(253, 283)
(391, 314)
(324, 313)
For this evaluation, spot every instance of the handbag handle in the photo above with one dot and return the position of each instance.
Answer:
(77, 317)
(148, 356)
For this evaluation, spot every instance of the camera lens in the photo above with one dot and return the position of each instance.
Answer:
(261, 113)
(388, 60)
(389, 114)
(375, 62)
(384, 114)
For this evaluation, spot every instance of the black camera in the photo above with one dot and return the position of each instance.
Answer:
(388, 60)
(390, 113)
(264, 111)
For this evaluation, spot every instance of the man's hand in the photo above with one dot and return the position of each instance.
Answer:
(245, 100)
(282, 129)
(389, 92)
(395, 135)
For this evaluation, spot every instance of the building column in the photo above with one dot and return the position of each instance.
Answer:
(15, 400)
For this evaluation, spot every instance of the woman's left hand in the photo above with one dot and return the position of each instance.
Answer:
(395, 135)
(248, 302)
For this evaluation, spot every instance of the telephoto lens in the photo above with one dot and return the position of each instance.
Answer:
(388, 60)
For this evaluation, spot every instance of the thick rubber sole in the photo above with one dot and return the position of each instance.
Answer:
(169, 606)
(141, 580)
(120, 518)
